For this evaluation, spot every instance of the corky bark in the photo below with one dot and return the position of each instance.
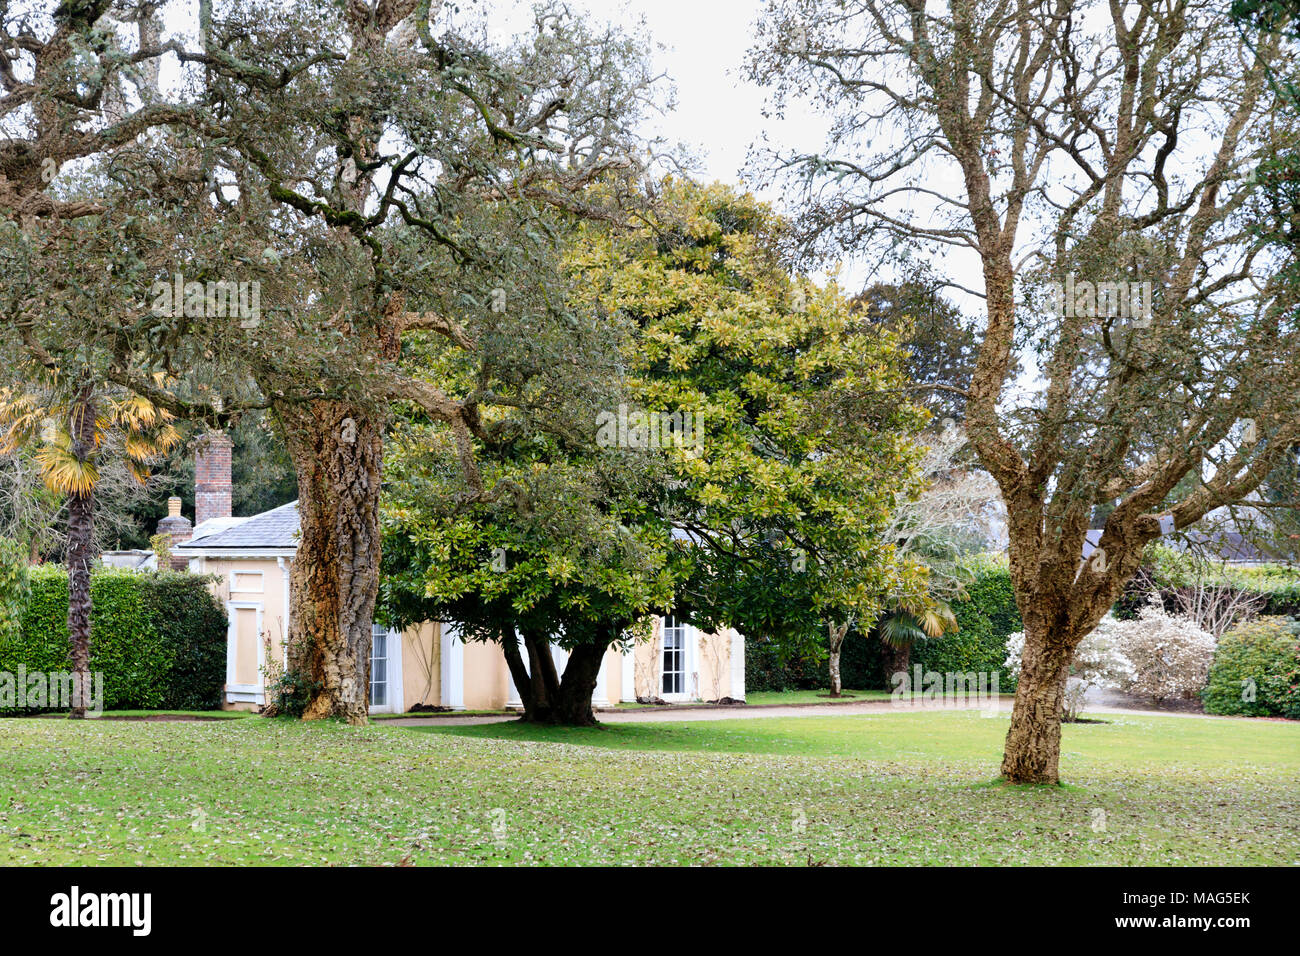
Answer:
(337, 450)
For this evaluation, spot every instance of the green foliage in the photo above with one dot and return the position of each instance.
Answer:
(192, 624)
(795, 439)
(159, 639)
(984, 621)
(1165, 569)
(15, 586)
(942, 345)
(862, 665)
(807, 439)
(1259, 659)
(289, 692)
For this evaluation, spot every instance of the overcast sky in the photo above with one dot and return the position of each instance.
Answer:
(719, 112)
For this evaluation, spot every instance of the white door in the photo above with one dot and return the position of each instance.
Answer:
(674, 683)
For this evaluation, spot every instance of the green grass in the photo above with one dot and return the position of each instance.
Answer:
(443, 714)
(880, 788)
(776, 698)
(770, 697)
(204, 714)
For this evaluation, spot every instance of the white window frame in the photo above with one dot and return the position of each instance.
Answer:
(236, 573)
(687, 659)
(393, 678)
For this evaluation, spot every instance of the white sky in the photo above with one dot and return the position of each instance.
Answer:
(718, 112)
(718, 115)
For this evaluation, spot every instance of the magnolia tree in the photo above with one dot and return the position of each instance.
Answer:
(1170, 655)
(802, 427)
(1092, 163)
(735, 464)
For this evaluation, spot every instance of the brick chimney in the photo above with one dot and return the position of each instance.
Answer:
(178, 529)
(212, 487)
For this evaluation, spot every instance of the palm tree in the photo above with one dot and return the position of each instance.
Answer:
(907, 622)
(76, 429)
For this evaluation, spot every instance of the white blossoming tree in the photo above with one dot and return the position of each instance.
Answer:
(1098, 662)
(1170, 655)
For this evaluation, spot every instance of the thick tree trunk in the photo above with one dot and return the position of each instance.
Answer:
(543, 683)
(554, 700)
(836, 685)
(1033, 746)
(337, 451)
(573, 708)
(80, 554)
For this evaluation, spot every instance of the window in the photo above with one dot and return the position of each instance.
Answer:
(379, 667)
(252, 582)
(674, 680)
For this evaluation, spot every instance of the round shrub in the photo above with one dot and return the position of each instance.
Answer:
(1256, 670)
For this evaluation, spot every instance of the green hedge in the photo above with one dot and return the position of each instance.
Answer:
(1265, 651)
(193, 624)
(980, 644)
(984, 620)
(159, 639)
(861, 667)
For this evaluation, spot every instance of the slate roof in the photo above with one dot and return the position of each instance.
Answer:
(277, 529)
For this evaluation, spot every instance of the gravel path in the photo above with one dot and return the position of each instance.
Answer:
(1104, 705)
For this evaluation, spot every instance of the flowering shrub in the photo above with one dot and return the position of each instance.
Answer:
(1156, 655)
(1170, 655)
(1097, 662)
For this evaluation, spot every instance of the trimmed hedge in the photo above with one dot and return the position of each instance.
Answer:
(1265, 651)
(862, 667)
(985, 620)
(159, 638)
(193, 624)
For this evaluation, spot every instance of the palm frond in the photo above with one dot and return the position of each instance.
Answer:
(64, 472)
(900, 629)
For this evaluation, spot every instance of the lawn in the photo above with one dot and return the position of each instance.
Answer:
(764, 697)
(887, 788)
